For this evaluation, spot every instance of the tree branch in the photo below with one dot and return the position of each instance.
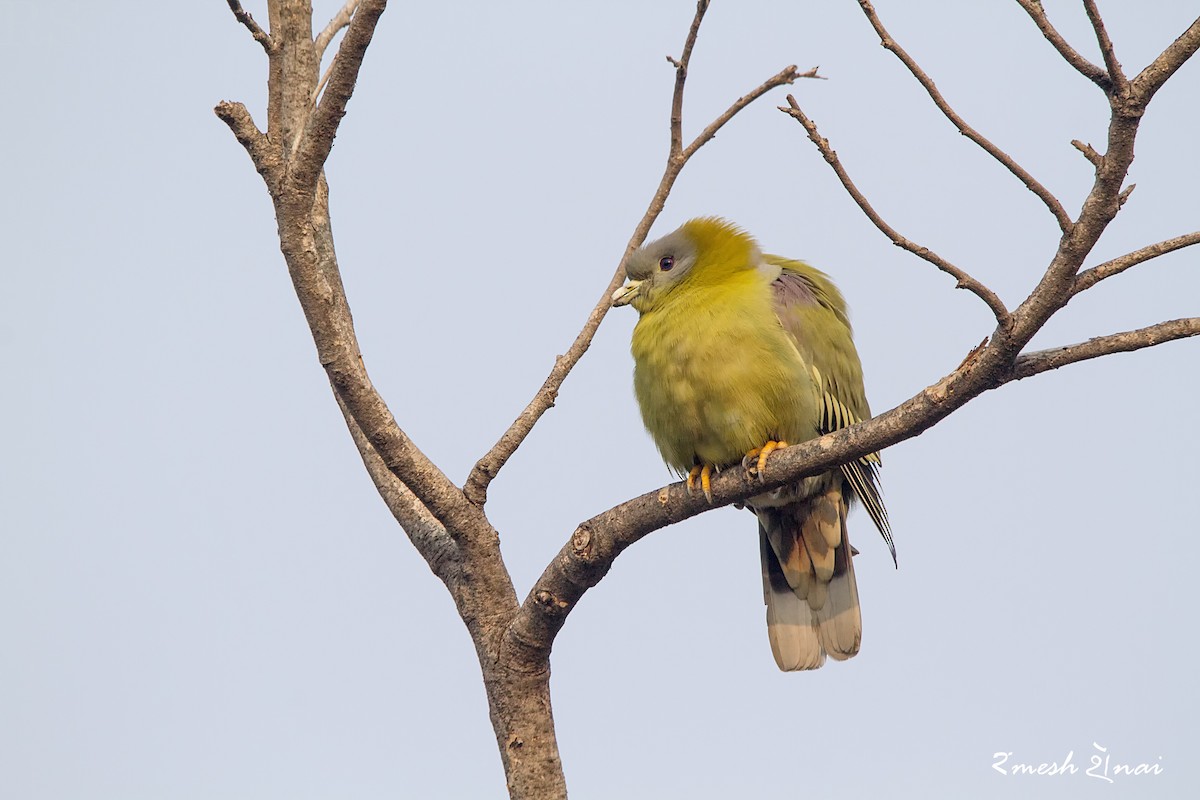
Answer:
(339, 21)
(489, 465)
(306, 239)
(428, 536)
(260, 36)
(1051, 202)
(1156, 73)
(1086, 68)
(1090, 277)
(264, 155)
(322, 126)
(1125, 342)
(1112, 66)
(964, 280)
(1059, 283)
(589, 554)
(1089, 152)
(786, 76)
(681, 68)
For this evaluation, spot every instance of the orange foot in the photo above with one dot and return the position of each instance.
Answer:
(705, 475)
(756, 460)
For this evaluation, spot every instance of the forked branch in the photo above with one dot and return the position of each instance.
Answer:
(490, 464)
(1111, 65)
(962, 278)
(1085, 68)
(322, 126)
(885, 38)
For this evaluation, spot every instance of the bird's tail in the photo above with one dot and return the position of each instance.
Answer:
(808, 581)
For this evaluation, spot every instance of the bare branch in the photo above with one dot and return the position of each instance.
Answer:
(681, 67)
(1090, 277)
(1086, 68)
(964, 280)
(489, 465)
(1089, 153)
(1151, 79)
(1051, 202)
(339, 21)
(323, 124)
(301, 205)
(260, 36)
(586, 558)
(1126, 342)
(428, 535)
(788, 75)
(1111, 64)
(265, 156)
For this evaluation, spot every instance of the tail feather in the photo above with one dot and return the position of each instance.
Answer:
(839, 620)
(808, 581)
(822, 533)
(791, 624)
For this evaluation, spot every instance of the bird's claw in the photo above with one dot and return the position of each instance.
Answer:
(704, 474)
(756, 460)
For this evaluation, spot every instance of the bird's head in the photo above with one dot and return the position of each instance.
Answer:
(702, 252)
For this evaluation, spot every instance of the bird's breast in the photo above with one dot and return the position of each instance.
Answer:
(716, 376)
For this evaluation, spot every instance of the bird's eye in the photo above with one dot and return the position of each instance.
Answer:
(666, 262)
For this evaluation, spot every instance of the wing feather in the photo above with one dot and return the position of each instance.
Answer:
(813, 312)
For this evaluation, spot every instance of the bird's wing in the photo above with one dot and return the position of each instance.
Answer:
(813, 313)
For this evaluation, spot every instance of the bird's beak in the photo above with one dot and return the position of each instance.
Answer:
(624, 296)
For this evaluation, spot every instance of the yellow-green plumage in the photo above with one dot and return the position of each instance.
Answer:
(733, 349)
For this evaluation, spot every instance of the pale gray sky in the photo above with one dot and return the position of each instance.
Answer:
(201, 595)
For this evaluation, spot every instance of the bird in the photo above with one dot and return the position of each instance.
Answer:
(736, 354)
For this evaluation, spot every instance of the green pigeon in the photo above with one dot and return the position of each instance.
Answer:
(737, 354)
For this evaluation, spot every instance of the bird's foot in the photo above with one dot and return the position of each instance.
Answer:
(704, 476)
(756, 460)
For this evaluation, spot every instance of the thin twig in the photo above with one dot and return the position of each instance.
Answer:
(1086, 68)
(489, 465)
(1051, 202)
(1042, 360)
(339, 21)
(964, 280)
(1090, 277)
(784, 77)
(681, 68)
(260, 36)
(1111, 64)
